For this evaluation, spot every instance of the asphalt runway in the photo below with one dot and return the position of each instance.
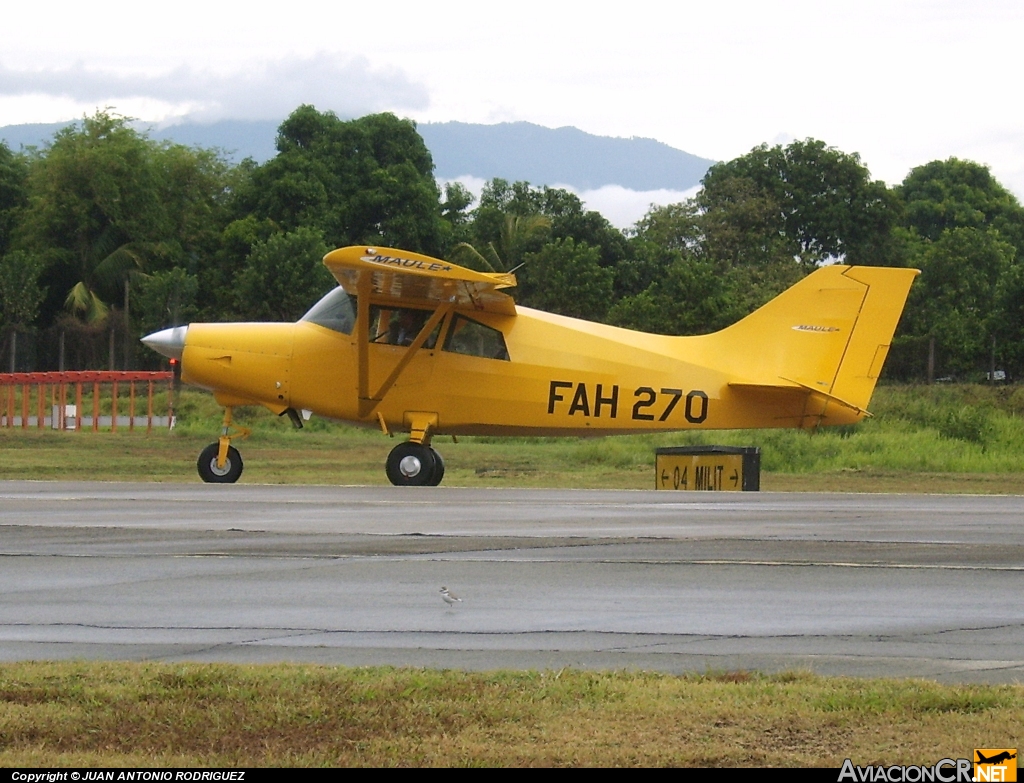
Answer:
(873, 585)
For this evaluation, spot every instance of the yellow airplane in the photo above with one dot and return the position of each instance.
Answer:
(409, 343)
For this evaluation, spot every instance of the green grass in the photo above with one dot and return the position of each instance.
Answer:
(940, 438)
(105, 714)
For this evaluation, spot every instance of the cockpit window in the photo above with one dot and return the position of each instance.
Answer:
(400, 326)
(337, 311)
(474, 339)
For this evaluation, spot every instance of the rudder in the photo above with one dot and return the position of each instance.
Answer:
(887, 291)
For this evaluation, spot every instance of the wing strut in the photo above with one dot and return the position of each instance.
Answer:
(363, 286)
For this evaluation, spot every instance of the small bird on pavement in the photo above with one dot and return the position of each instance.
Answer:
(449, 597)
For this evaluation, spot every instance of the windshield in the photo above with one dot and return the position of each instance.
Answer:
(337, 311)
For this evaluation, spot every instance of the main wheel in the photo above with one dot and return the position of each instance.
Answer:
(438, 469)
(411, 465)
(211, 474)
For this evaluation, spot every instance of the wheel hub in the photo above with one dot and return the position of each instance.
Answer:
(410, 466)
(220, 471)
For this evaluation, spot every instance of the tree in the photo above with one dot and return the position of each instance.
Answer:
(283, 276)
(820, 202)
(518, 232)
(672, 227)
(566, 277)
(690, 297)
(566, 218)
(743, 226)
(657, 239)
(20, 292)
(216, 298)
(1007, 321)
(507, 224)
(760, 222)
(570, 220)
(704, 269)
(106, 201)
(955, 299)
(947, 194)
(455, 213)
(364, 181)
(966, 232)
(516, 220)
(166, 299)
(195, 186)
(13, 198)
(499, 198)
(94, 201)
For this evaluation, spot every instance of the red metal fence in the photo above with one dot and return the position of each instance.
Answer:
(23, 394)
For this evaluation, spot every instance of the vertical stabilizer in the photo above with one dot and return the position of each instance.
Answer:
(826, 337)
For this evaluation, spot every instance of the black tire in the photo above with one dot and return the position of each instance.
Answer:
(411, 465)
(438, 469)
(211, 474)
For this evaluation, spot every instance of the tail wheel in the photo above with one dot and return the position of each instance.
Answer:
(412, 465)
(211, 474)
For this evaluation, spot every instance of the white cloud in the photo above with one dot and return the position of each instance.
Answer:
(623, 207)
(620, 206)
(271, 90)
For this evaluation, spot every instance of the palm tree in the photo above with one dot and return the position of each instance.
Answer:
(516, 232)
(115, 266)
(106, 265)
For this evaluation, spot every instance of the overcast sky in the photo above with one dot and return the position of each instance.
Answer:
(901, 82)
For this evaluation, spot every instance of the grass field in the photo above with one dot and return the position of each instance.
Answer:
(100, 714)
(939, 438)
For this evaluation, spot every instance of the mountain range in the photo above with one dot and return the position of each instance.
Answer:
(512, 150)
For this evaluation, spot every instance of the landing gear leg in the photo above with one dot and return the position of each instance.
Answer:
(220, 462)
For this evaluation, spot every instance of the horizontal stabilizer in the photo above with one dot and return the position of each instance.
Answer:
(800, 388)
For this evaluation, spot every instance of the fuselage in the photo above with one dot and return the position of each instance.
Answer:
(491, 373)
(415, 344)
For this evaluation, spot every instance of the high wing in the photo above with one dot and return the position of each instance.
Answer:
(389, 274)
